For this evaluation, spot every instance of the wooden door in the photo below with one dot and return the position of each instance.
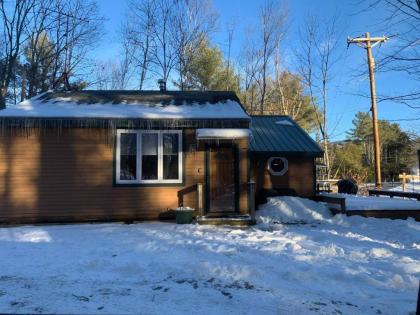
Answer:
(222, 169)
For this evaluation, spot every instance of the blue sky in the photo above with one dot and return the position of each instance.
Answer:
(343, 104)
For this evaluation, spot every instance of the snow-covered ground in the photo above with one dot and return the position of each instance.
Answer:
(334, 265)
(358, 202)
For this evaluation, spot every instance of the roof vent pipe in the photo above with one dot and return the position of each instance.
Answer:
(162, 85)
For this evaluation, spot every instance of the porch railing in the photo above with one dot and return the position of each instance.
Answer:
(200, 200)
(199, 189)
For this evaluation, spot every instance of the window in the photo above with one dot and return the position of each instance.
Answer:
(128, 163)
(277, 166)
(170, 156)
(149, 156)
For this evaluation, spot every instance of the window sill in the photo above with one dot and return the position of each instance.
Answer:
(159, 184)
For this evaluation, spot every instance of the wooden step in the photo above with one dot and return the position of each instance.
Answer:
(234, 220)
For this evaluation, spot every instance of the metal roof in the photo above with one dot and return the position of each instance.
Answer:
(130, 105)
(281, 135)
(146, 97)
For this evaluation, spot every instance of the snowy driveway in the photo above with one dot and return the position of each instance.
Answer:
(338, 266)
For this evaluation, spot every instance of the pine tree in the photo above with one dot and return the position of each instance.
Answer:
(39, 59)
(208, 70)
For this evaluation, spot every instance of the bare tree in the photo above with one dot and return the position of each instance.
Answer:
(45, 44)
(38, 51)
(230, 32)
(272, 19)
(14, 19)
(193, 23)
(163, 57)
(257, 57)
(163, 35)
(112, 75)
(249, 68)
(316, 56)
(125, 67)
(137, 35)
(291, 102)
(77, 28)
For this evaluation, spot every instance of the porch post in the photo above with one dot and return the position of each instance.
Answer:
(200, 199)
(251, 198)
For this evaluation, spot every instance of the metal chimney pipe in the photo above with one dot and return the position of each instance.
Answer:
(162, 85)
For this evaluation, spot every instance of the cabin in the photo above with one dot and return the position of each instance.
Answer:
(282, 157)
(85, 156)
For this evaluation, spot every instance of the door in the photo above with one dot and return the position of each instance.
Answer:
(222, 178)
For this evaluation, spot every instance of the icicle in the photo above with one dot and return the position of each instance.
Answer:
(30, 126)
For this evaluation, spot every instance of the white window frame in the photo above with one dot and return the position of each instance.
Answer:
(138, 179)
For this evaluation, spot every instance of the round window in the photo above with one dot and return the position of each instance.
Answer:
(277, 165)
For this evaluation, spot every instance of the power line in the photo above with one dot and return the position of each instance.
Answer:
(403, 119)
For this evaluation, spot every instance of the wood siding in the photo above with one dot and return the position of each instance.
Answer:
(69, 176)
(299, 177)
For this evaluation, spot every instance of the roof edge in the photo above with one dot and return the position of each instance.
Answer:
(288, 153)
(19, 123)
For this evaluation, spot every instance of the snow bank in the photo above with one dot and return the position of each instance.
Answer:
(292, 210)
(63, 107)
(357, 202)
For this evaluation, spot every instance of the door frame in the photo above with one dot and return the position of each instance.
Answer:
(207, 169)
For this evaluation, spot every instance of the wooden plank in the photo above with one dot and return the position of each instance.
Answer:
(374, 192)
(389, 214)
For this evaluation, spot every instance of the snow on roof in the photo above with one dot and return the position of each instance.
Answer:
(214, 133)
(129, 104)
(284, 122)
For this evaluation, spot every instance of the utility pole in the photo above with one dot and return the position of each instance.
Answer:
(368, 43)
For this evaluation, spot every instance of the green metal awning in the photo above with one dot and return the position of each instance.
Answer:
(281, 135)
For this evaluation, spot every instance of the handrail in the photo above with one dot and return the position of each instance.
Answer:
(196, 187)
(185, 191)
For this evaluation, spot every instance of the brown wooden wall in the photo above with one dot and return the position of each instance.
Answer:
(300, 175)
(69, 176)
